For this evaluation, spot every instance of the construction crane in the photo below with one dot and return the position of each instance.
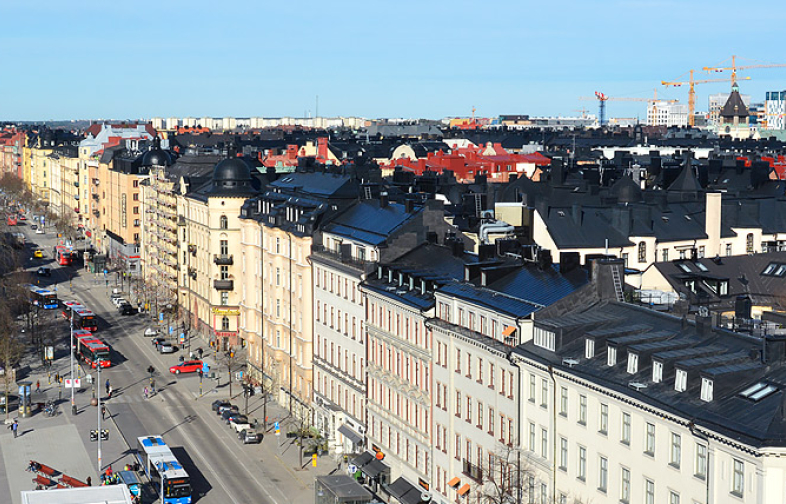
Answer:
(692, 91)
(734, 67)
(603, 98)
(583, 112)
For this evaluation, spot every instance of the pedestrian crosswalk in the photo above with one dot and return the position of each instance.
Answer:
(133, 397)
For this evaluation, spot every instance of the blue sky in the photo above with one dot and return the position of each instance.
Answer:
(110, 59)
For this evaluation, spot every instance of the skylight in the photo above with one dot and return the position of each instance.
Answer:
(758, 391)
(769, 269)
(700, 266)
(684, 267)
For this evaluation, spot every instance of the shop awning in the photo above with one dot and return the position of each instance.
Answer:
(454, 482)
(463, 490)
(509, 330)
(350, 434)
(404, 491)
(371, 467)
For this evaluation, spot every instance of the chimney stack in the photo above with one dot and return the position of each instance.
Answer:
(383, 199)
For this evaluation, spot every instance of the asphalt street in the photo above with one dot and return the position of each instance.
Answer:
(223, 470)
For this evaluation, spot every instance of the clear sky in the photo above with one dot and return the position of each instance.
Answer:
(371, 58)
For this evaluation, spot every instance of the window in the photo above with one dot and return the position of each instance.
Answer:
(701, 461)
(582, 469)
(603, 474)
(738, 481)
(224, 298)
(625, 428)
(224, 272)
(532, 388)
(665, 255)
(649, 492)
(223, 247)
(749, 243)
(649, 442)
(563, 401)
(625, 488)
(458, 404)
(583, 410)
(728, 249)
(223, 222)
(657, 371)
(611, 356)
(532, 437)
(544, 393)
(633, 363)
(589, 348)
(681, 380)
(706, 389)
(544, 443)
(642, 252)
(563, 454)
(701, 252)
(224, 323)
(676, 450)
(674, 497)
(604, 419)
(136, 209)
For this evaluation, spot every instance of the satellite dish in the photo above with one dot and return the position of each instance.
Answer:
(425, 497)
(704, 311)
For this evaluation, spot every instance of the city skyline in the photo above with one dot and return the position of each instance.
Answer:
(432, 60)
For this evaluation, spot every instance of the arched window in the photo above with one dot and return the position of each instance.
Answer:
(642, 252)
(223, 223)
(224, 323)
(749, 243)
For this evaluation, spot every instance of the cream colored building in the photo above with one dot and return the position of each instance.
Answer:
(209, 228)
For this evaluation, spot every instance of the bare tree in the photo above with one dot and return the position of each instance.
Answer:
(232, 361)
(504, 478)
(11, 351)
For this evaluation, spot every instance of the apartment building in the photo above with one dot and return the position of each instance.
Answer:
(276, 245)
(640, 406)
(209, 229)
(343, 255)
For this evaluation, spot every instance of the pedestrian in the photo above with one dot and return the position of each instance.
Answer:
(57, 377)
(109, 392)
(103, 412)
(89, 481)
(146, 393)
(108, 387)
(38, 386)
(14, 428)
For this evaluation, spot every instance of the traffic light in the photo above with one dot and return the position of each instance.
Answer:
(104, 434)
(151, 370)
(93, 435)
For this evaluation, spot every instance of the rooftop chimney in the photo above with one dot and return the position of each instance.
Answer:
(383, 200)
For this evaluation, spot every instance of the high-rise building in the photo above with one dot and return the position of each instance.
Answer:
(775, 110)
(666, 113)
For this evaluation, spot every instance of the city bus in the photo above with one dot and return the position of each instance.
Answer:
(11, 219)
(43, 298)
(166, 474)
(91, 349)
(63, 255)
(82, 317)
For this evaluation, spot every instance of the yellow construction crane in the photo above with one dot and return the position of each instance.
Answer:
(734, 67)
(692, 91)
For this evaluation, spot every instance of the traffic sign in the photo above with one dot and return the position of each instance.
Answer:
(277, 429)
(69, 383)
(171, 329)
(161, 317)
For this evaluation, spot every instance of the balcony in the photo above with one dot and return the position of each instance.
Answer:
(192, 272)
(223, 259)
(223, 285)
(95, 196)
(76, 197)
(76, 183)
(181, 220)
(192, 248)
(343, 256)
(96, 213)
(472, 470)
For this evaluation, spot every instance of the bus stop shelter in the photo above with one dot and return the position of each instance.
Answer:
(341, 489)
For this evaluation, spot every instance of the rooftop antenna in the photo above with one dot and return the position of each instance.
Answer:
(317, 108)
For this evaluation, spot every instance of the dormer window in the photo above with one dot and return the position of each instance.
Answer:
(633, 363)
(657, 371)
(681, 380)
(706, 389)
(589, 348)
(544, 339)
(611, 356)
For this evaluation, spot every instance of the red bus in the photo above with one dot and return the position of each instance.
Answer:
(63, 255)
(11, 219)
(91, 350)
(83, 318)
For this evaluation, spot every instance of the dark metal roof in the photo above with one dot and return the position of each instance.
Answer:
(368, 222)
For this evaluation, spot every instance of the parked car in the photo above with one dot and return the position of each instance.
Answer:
(119, 301)
(218, 403)
(43, 272)
(151, 331)
(38, 254)
(190, 366)
(126, 309)
(240, 422)
(228, 406)
(228, 413)
(22, 217)
(157, 341)
(249, 436)
(33, 227)
(166, 347)
(40, 231)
